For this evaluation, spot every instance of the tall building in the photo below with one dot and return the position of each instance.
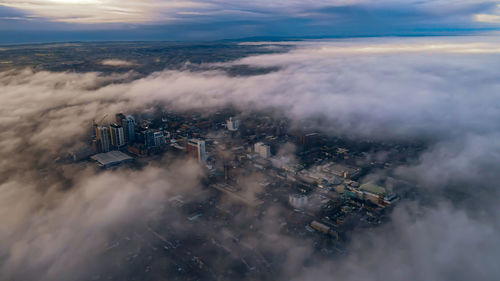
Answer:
(262, 149)
(102, 138)
(298, 201)
(117, 136)
(310, 140)
(128, 124)
(149, 138)
(159, 139)
(233, 124)
(196, 148)
(119, 117)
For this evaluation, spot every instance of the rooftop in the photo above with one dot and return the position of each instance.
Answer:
(373, 188)
(111, 158)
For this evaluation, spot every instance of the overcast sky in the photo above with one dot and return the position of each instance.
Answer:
(63, 20)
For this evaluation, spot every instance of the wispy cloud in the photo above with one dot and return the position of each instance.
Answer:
(117, 62)
(154, 11)
(103, 11)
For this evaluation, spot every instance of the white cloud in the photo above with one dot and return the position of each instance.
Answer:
(439, 243)
(51, 234)
(116, 62)
(103, 11)
(488, 18)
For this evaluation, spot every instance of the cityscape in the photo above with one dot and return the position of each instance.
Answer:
(199, 140)
(314, 186)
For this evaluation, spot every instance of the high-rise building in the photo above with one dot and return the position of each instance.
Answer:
(128, 124)
(263, 150)
(298, 201)
(119, 117)
(117, 136)
(196, 148)
(310, 140)
(233, 124)
(149, 138)
(159, 139)
(102, 138)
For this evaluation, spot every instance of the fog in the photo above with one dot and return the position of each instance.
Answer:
(51, 235)
(55, 218)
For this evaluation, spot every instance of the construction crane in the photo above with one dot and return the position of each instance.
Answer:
(95, 124)
(104, 117)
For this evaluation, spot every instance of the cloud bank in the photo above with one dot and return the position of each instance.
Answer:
(442, 90)
(58, 234)
(116, 62)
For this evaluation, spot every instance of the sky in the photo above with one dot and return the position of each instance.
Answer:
(71, 20)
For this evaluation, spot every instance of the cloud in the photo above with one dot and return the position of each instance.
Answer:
(111, 20)
(116, 62)
(107, 11)
(440, 243)
(50, 235)
(443, 91)
(319, 13)
(493, 17)
(375, 88)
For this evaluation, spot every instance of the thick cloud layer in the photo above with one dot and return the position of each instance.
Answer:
(441, 244)
(56, 235)
(442, 90)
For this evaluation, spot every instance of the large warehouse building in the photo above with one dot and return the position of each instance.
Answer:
(111, 158)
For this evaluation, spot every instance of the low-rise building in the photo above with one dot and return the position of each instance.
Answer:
(373, 193)
(111, 158)
(262, 149)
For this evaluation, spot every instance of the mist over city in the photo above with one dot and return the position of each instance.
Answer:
(222, 140)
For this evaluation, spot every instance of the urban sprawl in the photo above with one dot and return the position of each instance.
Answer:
(317, 182)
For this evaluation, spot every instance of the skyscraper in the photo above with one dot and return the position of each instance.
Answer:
(149, 138)
(233, 124)
(196, 148)
(128, 124)
(159, 139)
(117, 136)
(102, 138)
(119, 117)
